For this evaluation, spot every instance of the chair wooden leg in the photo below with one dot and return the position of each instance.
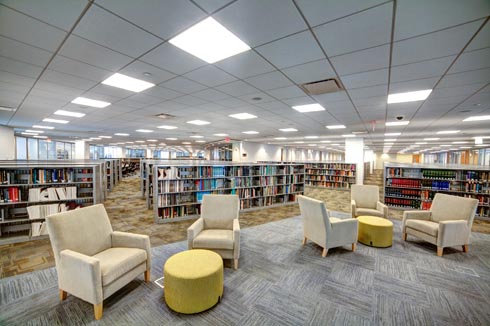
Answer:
(325, 252)
(439, 251)
(304, 240)
(465, 248)
(235, 264)
(354, 246)
(404, 236)
(63, 295)
(147, 276)
(98, 311)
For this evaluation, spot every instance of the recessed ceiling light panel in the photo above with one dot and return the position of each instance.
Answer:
(198, 122)
(288, 129)
(221, 135)
(409, 96)
(335, 127)
(89, 102)
(478, 118)
(447, 132)
(243, 116)
(70, 113)
(127, 83)
(144, 130)
(120, 134)
(309, 108)
(43, 127)
(397, 123)
(393, 134)
(55, 120)
(250, 132)
(167, 127)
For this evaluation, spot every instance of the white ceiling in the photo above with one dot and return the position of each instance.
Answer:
(55, 50)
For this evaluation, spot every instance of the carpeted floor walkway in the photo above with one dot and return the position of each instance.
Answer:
(280, 282)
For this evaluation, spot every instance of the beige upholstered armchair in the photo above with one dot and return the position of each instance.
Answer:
(447, 223)
(93, 261)
(365, 201)
(217, 229)
(327, 232)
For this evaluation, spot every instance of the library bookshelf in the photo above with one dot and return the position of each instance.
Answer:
(113, 172)
(32, 190)
(413, 186)
(334, 175)
(178, 189)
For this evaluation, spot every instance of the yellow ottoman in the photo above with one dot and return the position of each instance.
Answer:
(193, 280)
(375, 231)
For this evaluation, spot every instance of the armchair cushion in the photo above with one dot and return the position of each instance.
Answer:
(448, 207)
(219, 211)
(427, 227)
(115, 262)
(365, 196)
(214, 239)
(131, 240)
(369, 211)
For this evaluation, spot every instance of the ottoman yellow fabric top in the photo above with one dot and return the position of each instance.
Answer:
(375, 231)
(203, 262)
(374, 220)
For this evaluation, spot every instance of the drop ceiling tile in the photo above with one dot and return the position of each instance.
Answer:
(163, 18)
(118, 34)
(269, 81)
(82, 50)
(137, 69)
(425, 69)
(162, 92)
(250, 98)
(171, 106)
(435, 15)
(361, 61)
(237, 88)
(60, 13)
(370, 103)
(10, 98)
(211, 95)
(171, 58)
(321, 11)
(25, 29)
(210, 76)
(146, 99)
(245, 65)
(435, 45)
(466, 78)
(58, 89)
(360, 31)
(286, 92)
(183, 85)
(232, 103)
(464, 90)
(79, 69)
(310, 72)
(212, 5)
(256, 22)
(8, 77)
(279, 52)
(132, 104)
(364, 79)
(482, 39)
(413, 85)
(23, 52)
(331, 97)
(365, 92)
(473, 60)
(19, 68)
(189, 100)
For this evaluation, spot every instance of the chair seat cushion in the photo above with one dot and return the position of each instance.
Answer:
(334, 219)
(214, 239)
(427, 227)
(368, 212)
(116, 262)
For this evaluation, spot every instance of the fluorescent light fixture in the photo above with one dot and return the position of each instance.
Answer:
(311, 144)
(299, 142)
(335, 127)
(120, 134)
(335, 144)
(445, 145)
(221, 135)
(95, 138)
(432, 138)
(139, 141)
(167, 127)
(243, 116)
(198, 122)
(196, 136)
(309, 108)
(70, 113)
(460, 142)
(475, 145)
(29, 133)
(35, 131)
(186, 143)
(144, 130)
(171, 138)
(288, 129)
(89, 102)
(105, 137)
(447, 132)
(55, 120)
(6, 108)
(43, 127)
(325, 141)
(465, 147)
(478, 118)
(393, 134)
(130, 142)
(348, 136)
(280, 138)
(311, 137)
(397, 123)
(390, 139)
(42, 137)
(421, 143)
(127, 83)
(209, 41)
(409, 96)
(250, 132)
(389, 144)
(200, 141)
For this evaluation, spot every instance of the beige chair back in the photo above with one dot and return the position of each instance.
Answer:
(219, 211)
(447, 208)
(315, 217)
(365, 196)
(85, 230)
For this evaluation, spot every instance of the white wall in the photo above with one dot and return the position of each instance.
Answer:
(255, 152)
(404, 158)
(354, 153)
(82, 150)
(382, 158)
(7, 143)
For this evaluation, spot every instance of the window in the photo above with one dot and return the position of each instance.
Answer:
(32, 149)
(21, 144)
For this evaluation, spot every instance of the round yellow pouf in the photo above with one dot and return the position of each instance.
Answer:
(193, 280)
(375, 231)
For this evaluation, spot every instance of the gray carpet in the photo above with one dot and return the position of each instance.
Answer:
(282, 283)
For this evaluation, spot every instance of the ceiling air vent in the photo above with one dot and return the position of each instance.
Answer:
(165, 116)
(331, 85)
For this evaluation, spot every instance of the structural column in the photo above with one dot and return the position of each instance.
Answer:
(7, 143)
(82, 150)
(354, 153)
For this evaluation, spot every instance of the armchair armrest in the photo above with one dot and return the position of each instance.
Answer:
(353, 208)
(453, 233)
(416, 215)
(382, 208)
(132, 240)
(193, 231)
(345, 230)
(81, 276)
(236, 238)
